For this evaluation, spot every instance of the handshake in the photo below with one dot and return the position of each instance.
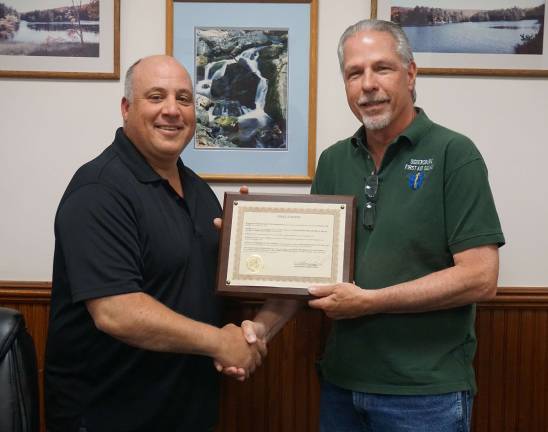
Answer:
(241, 349)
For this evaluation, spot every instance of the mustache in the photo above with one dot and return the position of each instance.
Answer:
(363, 100)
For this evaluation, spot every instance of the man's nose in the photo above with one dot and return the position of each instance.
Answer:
(170, 106)
(369, 81)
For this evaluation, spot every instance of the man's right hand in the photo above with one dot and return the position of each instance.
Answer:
(235, 351)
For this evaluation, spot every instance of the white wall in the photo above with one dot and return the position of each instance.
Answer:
(48, 128)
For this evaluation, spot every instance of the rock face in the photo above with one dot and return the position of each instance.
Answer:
(203, 102)
(271, 137)
(273, 66)
(228, 43)
(238, 83)
(281, 85)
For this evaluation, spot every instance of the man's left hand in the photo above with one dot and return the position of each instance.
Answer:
(340, 301)
(218, 222)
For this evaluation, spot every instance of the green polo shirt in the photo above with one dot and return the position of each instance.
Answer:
(433, 201)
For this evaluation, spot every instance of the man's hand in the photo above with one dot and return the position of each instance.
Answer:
(255, 334)
(235, 350)
(340, 301)
(218, 222)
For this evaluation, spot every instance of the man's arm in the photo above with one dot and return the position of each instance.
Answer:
(139, 320)
(274, 314)
(473, 278)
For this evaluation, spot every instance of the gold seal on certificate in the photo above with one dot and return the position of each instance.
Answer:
(279, 245)
(254, 263)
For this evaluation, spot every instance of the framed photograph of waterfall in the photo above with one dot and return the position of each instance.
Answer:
(77, 39)
(472, 37)
(253, 65)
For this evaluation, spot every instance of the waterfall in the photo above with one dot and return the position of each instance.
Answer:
(203, 87)
(220, 70)
(250, 56)
(254, 128)
(260, 98)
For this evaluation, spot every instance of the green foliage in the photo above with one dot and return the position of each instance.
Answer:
(531, 44)
(511, 14)
(424, 16)
(87, 12)
(9, 21)
(421, 16)
(272, 104)
(6, 10)
(535, 13)
(267, 68)
(92, 10)
(227, 122)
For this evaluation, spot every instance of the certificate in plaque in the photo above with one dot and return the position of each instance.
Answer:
(279, 245)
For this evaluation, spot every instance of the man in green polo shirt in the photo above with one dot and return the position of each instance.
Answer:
(399, 357)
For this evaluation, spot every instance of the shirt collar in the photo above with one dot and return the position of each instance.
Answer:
(135, 161)
(412, 134)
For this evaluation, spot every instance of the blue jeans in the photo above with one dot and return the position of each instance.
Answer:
(344, 410)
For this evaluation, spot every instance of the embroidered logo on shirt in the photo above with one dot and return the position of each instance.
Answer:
(416, 180)
(416, 171)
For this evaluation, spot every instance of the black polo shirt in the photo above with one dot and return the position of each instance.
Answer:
(121, 228)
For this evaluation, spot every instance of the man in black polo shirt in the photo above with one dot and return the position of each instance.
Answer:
(134, 320)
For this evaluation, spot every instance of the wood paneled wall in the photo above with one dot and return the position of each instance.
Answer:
(283, 395)
(512, 362)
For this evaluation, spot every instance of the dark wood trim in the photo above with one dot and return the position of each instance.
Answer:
(518, 298)
(507, 297)
(25, 292)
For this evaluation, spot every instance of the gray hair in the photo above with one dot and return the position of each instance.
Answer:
(128, 83)
(403, 47)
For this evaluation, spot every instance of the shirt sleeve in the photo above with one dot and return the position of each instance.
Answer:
(470, 213)
(97, 231)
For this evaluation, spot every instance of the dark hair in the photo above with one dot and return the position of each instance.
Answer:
(128, 83)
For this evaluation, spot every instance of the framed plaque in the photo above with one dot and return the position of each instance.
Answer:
(279, 245)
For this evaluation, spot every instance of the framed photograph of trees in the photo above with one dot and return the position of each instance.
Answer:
(472, 37)
(60, 39)
(253, 66)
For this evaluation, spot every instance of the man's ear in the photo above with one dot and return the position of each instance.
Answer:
(124, 106)
(412, 74)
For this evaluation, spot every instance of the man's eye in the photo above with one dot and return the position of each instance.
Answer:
(384, 69)
(186, 99)
(155, 97)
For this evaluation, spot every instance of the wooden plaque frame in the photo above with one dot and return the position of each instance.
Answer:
(225, 287)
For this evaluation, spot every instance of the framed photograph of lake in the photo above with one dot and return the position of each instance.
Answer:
(472, 37)
(253, 66)
(77, 39)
